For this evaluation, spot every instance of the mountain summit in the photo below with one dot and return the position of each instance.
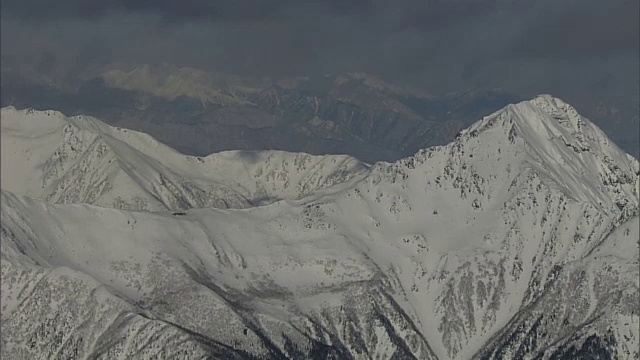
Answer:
(567, 148)
(518, 240)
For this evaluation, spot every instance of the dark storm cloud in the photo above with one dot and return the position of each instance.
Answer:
(173, 9)
(441, 43)
(585, 28)
(46, 63)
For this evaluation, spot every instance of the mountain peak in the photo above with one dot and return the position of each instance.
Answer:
(551, 137)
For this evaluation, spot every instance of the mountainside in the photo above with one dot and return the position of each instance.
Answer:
(82, 160)
(518, 240)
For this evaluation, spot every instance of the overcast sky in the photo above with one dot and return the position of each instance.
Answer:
(441, 45)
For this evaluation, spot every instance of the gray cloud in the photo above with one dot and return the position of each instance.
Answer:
(581, 29)
(443, 45)
(188, 10)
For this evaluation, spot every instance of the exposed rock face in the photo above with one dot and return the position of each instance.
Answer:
(518, 240)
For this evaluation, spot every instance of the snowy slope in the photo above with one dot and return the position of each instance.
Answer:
(518, 240)
(82, 160)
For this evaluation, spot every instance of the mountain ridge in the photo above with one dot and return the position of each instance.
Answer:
(162, 177)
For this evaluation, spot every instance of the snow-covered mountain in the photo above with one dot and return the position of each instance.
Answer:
(82, 160)
(519, 240)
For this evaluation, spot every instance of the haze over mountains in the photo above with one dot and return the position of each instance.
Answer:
(200, 112)
(518, 239)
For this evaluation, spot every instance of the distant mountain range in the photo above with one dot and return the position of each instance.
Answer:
(199, 113)
(517, 240)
